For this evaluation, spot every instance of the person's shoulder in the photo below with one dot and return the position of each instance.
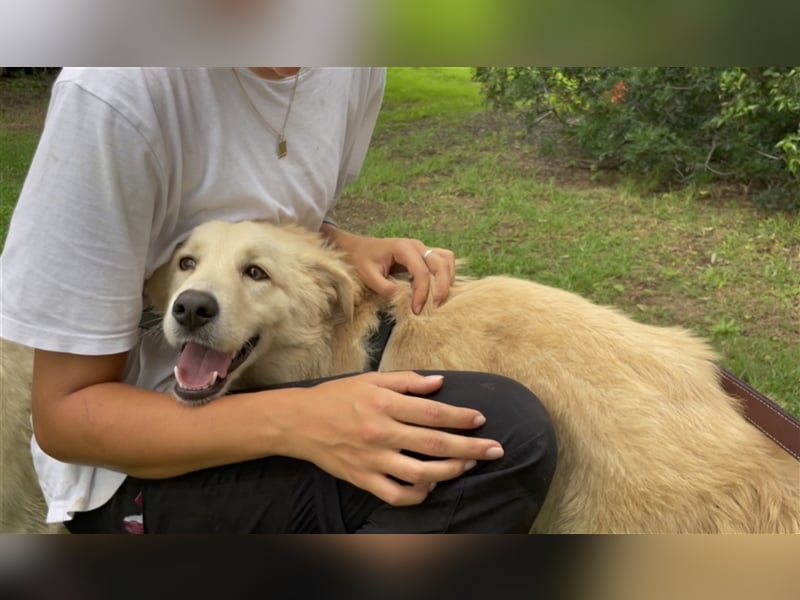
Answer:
(108, 82)
(140, 88)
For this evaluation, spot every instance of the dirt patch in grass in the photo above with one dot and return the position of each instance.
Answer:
(361, 214)
(24, 100)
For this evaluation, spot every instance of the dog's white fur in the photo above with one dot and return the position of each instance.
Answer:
(22, 506)
(648, 441)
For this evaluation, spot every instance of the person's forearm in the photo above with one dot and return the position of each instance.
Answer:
(151, 435)
(332, 232)
(341, 239)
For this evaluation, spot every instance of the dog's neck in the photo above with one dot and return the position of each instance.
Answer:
(352, 343)
(376, 345)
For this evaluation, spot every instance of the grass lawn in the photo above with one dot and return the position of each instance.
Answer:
(23, 101)
(445, 170)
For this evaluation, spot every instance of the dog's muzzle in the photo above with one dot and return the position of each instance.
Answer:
(193, 309)
(202, 372)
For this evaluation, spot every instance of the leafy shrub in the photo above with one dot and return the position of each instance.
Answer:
(670, 125)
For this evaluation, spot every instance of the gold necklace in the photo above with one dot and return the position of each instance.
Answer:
(282, 147)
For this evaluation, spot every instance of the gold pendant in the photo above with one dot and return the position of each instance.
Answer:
(282, 147)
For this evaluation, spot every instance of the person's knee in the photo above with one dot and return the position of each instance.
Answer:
(524, 428)
(513, 412)
(522, 425)
(512, 489)
(515, 417)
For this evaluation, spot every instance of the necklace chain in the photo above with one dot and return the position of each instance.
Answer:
(282, 147)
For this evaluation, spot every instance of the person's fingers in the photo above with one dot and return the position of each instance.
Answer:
(425, 419)
(439, 444)
(442, 264)
(395, 493)
(410, 257)
(374, 278)
(417, 472)
(430, 413)
(381, 258)
(421, 411)
(366, 445)
(405, 382)
(429, 416)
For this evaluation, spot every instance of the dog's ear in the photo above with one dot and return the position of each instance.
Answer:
(156, 289)
(333, 274)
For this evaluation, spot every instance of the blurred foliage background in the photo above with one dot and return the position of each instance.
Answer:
(669, 126)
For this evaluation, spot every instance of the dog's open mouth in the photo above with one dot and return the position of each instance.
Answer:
(202, 372)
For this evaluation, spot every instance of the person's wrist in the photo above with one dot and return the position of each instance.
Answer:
(278, 413)
(330, 231)
(342, 239)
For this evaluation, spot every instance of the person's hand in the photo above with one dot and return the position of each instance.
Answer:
(355, 428)
(376, 258)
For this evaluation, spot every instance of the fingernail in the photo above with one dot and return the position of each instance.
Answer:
(479, 420)
(416, 308)
(494, 452)
(431, 487)
(470, 464)
(434, 377)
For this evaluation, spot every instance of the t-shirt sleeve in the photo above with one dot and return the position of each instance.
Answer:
(361, 123)
(73, 265)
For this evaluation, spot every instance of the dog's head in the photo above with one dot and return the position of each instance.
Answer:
(234, 291)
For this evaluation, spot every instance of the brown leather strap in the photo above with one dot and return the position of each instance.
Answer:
(772, 420)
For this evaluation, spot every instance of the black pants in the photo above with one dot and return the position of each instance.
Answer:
(286, 495)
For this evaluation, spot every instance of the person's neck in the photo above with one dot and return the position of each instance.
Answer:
(275, 72)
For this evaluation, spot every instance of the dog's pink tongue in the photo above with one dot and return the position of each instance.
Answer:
(197, 364)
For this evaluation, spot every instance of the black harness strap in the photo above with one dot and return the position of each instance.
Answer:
(377, 342)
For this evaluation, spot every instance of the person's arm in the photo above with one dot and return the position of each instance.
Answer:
(82, 413)
(352, 427)
(376, 258)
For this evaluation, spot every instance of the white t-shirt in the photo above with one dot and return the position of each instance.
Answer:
(129, 161)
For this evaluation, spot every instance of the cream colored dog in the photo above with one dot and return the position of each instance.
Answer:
(648, 441)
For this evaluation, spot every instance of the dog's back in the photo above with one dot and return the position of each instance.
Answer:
(649, 442)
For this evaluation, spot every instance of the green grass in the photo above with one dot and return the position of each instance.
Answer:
(445, 170)
(22, 104)
(16, 149)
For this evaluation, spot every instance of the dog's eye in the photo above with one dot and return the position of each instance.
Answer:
(256, 273)
(187, 263)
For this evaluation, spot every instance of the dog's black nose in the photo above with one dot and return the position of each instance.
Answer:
(193, 309)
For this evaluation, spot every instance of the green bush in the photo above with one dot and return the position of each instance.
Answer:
(669, 125)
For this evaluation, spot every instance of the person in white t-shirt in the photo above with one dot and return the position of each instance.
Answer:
(129, 161)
